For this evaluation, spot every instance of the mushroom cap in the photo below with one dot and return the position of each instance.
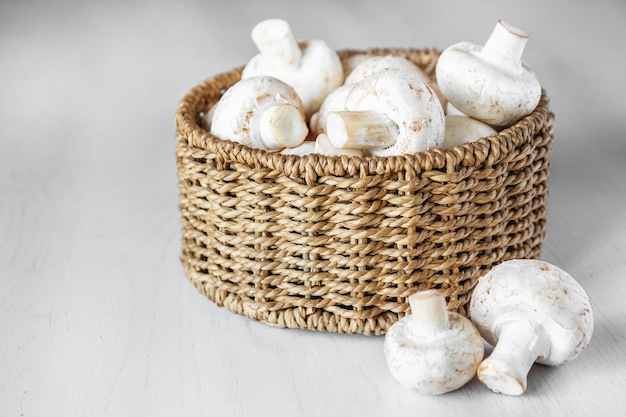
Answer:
(401, 95)
(536, 291)
(238, 113)
(377, 64)
(317, 73)
(351, 62)
(434, 365)
(463, 129)
(484, 87)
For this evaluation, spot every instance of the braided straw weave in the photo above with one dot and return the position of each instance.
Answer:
(339, 243)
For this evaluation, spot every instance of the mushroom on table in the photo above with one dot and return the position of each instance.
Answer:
(432, 350)
(531, 311)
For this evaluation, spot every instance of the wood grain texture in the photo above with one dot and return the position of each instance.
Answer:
(96, 315)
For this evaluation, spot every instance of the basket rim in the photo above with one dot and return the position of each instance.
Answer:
(487, 150)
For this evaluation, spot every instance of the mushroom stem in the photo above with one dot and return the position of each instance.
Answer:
(508, 41)
(361, 130)
(506, 369)
(429, 313)
(274, 38)
(282, 125)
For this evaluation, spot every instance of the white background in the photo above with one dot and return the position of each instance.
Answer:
(96, 315)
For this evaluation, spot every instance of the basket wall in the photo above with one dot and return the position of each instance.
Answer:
(338, 243)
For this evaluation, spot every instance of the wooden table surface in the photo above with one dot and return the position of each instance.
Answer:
(96, 315)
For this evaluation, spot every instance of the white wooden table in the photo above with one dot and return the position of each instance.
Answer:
(96, 316)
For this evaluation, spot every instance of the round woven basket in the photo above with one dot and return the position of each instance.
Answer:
(339, 243)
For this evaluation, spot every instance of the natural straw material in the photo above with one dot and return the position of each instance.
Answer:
(339, 243)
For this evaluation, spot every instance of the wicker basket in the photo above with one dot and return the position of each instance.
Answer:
(339, 243)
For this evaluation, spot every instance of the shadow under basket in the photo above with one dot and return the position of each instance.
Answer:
(339, 243)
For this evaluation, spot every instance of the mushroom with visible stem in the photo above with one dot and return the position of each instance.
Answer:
(463, 129)
(260, 112)
(432, 350)
(389, 113)
(531, 311)
(490, 83)
(313, 69)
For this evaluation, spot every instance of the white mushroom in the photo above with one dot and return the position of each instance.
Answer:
(313, 70)
(260, 112)
(432, 350)
(400, 112)
(351, 62)
(490, 83)
(463, 129)
(531, 311)
(376, 64)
